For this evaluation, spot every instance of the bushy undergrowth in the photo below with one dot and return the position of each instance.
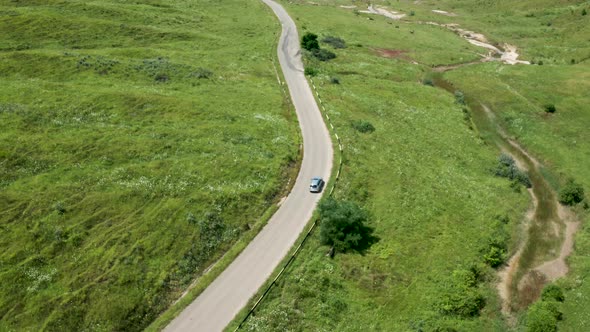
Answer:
(335, 42)
(572, 193)
(363, 126)
(507, 168)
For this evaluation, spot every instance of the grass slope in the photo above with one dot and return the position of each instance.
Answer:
(138, 141)
(423, 175)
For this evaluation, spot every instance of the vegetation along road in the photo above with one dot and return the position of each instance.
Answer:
(222, 300)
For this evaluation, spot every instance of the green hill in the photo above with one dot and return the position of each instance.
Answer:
(426, 174)
(138, 141)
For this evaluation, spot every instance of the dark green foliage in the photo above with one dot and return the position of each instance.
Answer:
(552, 292)
(428, 81)
(550, 108)
(584, 12)
(310, 42)
(323, 54)
(363, 126)
(335, 42)
(343, 226)
(310, 71)
(59, 208)
(461, 297)
(543, 317)
(161, 77)
(572, 193)
(459, 97)
(334, 80)
(507, 168)
(202, 73)
(495, 252)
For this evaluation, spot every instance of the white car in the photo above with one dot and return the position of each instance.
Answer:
(316, 186)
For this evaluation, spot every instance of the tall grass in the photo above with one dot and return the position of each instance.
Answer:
(124, 128)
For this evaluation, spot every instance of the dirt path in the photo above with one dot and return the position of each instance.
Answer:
(530, 284)
(558, 268)
(384, 12)
(506, 53)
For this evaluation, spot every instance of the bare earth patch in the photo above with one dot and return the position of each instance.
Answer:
(394, 54)
(558, 268)
(384, 12)
(442, 12)
(506, 53)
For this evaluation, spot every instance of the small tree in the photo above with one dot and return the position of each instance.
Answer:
(572, 193)
(310, 42)
(343, 225)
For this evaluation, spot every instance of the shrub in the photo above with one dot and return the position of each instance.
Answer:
(550, 108)
(202, 73)
(459, 97)
(363, 126)
(323, 55)
(309, 71)
(572, 193)
(343, 226)
(334, 80)
(412, 13)
(461, 296)
(543, 317)
(162, 77)
(507, 168)
(584, 12)
(428, 81)
(553, 292)
(495, 253)
(335, 42)
(495, 257)
(310, 42)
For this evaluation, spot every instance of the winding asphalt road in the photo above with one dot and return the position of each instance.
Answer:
(215, 308)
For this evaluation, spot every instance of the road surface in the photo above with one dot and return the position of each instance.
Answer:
(215, 308)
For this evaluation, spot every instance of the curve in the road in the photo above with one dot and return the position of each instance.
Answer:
(218, 304)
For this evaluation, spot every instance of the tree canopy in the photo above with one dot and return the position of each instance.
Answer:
(343, 226)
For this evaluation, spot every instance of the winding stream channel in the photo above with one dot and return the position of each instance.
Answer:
(548, 228)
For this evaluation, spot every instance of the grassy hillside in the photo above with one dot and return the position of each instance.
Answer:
(425, 177)
(138, 141)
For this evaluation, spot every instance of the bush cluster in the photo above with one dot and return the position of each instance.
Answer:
(572, 193)
(544, 315)
(335, 42)
(461, 296)
(507, 168)
(495, 252)
(309, 42)
(323, 54)
(363, 126)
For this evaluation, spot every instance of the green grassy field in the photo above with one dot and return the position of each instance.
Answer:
(423, 175)
(138, 141)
